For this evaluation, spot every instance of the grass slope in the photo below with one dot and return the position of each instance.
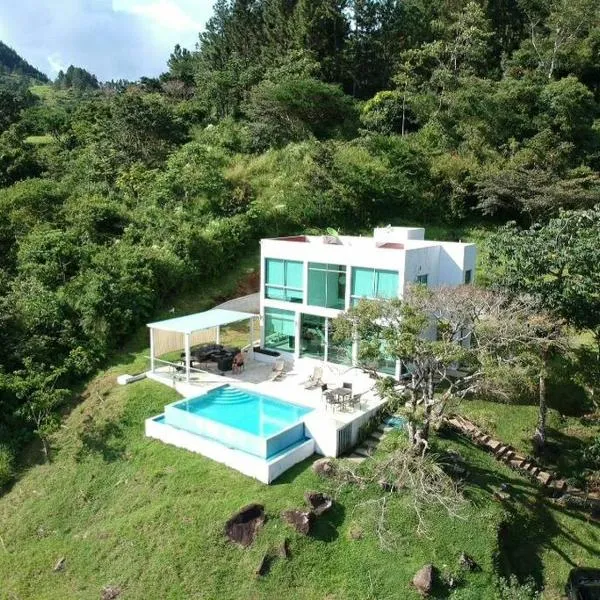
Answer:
(128, 511)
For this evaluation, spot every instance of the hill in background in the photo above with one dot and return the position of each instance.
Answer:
(12, 64)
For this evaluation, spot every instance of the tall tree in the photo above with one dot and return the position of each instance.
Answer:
(557, 263)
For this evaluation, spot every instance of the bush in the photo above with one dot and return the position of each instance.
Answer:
(511, 589)
(7, 472)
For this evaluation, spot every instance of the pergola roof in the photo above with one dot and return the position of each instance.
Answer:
(203, 320)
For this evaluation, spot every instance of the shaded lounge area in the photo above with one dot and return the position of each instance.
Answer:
(192, 343)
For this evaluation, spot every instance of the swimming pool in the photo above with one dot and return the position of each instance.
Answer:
(242, 419)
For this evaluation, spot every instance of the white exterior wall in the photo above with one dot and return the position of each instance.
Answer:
(443, 262)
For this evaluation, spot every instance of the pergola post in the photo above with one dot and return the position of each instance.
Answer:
(252, 336)
(187, 357)
(151, 349)
(218, 336)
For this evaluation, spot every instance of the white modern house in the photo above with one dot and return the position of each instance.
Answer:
(307, 281)
(261, 421)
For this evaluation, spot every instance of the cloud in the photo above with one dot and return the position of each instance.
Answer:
(165, 14)
(112, 39)
(56, 63)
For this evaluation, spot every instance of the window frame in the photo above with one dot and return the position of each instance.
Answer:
(285, 287)
(354, 299)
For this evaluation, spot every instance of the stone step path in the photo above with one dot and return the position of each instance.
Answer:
(370, 444)
(508, 455)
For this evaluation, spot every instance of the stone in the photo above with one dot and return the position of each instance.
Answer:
(423, 580)
(325, 467)
(60, 564)
(468, 563)
(300, 520)
(110, 592)
(284, 549)
(318, 502)
(244, 525)
(502, 496)
(264, 566)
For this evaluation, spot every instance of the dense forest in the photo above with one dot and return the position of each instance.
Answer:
(289, 115)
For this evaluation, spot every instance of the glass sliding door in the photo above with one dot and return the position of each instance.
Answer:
(327, 285)
(312, 336)
(280, 330)
(283, 280)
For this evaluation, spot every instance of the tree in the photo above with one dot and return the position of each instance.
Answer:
(451, 342)
(294, 108)
(556, 263)
(41, 397)
(554, 28)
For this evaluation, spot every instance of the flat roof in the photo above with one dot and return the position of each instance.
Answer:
(204, 320)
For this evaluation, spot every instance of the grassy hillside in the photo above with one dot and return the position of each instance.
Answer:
(130, 512)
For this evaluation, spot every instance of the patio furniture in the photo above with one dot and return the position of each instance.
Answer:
(315, 379)
(278, 370)
(341, 394)
(355, 401)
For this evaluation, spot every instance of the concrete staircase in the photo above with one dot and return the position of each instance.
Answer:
(369, 445)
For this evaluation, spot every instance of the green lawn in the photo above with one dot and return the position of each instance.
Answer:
(131, 512)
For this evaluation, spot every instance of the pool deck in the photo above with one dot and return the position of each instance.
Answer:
(334, 432)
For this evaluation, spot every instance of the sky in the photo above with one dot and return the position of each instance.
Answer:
(114, 39)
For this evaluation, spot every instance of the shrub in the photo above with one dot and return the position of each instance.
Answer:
(7, 472)
(512, 589)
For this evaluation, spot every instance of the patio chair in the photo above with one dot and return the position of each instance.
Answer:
(355, 401)
(278, 370)
(328, 397)
(315, 379)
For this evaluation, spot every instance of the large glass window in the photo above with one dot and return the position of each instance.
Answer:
(280, 330)
(312, 336)
(327, 285)
(283, 280)
(373, 283)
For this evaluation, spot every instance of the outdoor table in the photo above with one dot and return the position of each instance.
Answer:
(342, 394)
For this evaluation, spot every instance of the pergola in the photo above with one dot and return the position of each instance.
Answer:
(166, 336)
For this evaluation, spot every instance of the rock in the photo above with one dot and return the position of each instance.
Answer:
(245, 524)
(318, 502)
(60, 564)
(468, 563)
(264, 565)
(502, 496)
(300, 520)
(110, 592)
(423, 580)
(284, 549)
(325, 467)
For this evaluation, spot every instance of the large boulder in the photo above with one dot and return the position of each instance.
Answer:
(318, 502)
(300, 520)
(245, 524)
(423, 580)
(324, 467)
